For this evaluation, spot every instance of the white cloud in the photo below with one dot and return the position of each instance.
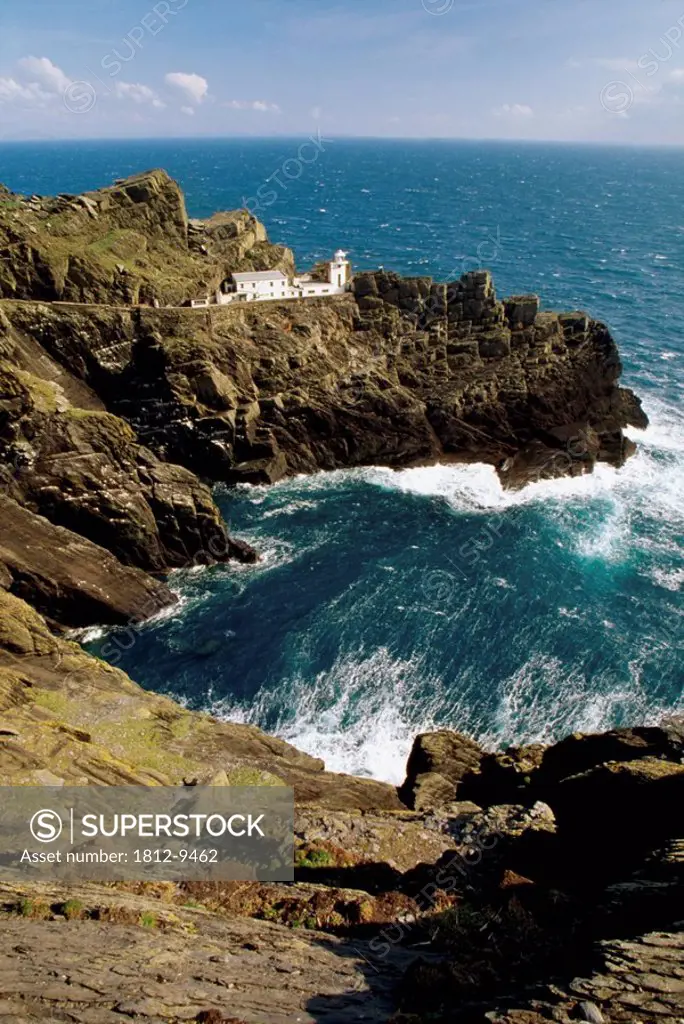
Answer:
(12, 91)
(46, 73)
(516, 110)
(194, 86)
(260, 105)
(677, 75)
(137, 93)
(188, 110)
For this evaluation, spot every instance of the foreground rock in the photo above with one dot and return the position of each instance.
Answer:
(634, 981)
(437, 763)
(136, 958)
(614, 796)
(70, 718)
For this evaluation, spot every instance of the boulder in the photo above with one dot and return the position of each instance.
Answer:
(437, 763)
(610, 816)
(521, 310)
(581, 751)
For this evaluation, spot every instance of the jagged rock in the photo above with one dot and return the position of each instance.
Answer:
(627, 807)
(403, 371)
(437, 763)
(521, 310)
(580, 752)
(139, 224)
(533, 772)
(505, 777)
(67, 459)
(70, 579)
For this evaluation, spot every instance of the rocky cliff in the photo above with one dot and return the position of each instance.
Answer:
(130, 243)
(517, 887)
(255, 393)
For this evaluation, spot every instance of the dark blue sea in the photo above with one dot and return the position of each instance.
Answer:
(363, 623)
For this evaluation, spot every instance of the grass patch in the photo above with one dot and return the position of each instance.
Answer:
(73, 910)
(33, 910)
(245, 776)
(307, 857)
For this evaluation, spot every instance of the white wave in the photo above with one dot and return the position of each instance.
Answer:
(611, 541)
(651, 483)
(464, 487)
(87, 635)
(670, 579)
(360, 717)
(90, 634)
(290, 509)
(544, 700)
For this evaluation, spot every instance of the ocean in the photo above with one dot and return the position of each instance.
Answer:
(363, 624)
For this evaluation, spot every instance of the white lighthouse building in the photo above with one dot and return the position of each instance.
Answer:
(270, 285)
(340, 270)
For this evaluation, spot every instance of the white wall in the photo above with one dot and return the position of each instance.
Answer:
(270, 289)
(281, 288)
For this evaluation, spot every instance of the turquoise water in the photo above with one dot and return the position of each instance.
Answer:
(370, 617)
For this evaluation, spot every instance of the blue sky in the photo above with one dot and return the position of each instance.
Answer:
(591, 70)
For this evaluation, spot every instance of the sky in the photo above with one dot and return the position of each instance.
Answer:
(574, 70)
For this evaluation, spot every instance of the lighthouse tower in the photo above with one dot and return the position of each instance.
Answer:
(340, 270)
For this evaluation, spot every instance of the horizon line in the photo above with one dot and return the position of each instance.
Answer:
(593, 143)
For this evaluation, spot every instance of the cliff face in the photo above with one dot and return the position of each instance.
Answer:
(132, 242)
(403, 371)
(85, 506)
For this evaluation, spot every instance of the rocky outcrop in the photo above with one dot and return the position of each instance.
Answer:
(69, 579)
(64, 457)
(113, 732)
(537, 391)
(437, 763)
(254, 394)
(581, 751)
(595, 785)
(127, 244)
